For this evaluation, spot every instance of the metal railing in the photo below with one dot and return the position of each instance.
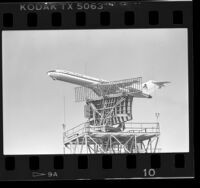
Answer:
(130, 127)
(77, 130)
(146, 127)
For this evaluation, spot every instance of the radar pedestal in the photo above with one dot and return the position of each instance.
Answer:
(108, 128)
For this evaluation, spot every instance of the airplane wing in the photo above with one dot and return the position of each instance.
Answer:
(111, 87)
(138, 93)
(118, 84)
(101, 90)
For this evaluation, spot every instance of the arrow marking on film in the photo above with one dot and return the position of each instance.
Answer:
(37, 174)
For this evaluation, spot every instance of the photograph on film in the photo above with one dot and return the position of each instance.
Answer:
(95, 91)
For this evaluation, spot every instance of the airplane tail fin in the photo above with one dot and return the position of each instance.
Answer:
(160, 84)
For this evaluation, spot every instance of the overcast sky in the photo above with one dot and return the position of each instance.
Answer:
(33, 102)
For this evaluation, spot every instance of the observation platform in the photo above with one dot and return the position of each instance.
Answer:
(135, 138)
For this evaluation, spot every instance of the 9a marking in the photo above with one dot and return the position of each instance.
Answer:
(52, 174)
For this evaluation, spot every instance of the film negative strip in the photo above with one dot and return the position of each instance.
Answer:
(121, 122)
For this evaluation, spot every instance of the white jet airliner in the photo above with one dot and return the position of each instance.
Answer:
(99, 85)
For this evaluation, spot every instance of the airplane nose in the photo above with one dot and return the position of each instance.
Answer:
(51, 74)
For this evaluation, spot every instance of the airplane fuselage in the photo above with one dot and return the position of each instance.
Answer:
(89, 82)
(74, 78)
